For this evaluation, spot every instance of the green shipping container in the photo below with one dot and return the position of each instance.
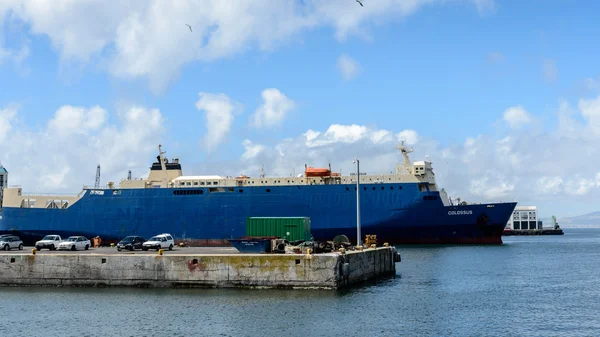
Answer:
(289, 228)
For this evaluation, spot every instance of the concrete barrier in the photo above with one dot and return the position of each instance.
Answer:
(332, 270)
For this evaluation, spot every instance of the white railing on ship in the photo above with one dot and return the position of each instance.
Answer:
(48, 194)
(105, 187)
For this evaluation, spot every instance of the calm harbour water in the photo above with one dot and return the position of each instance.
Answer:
(529, 286)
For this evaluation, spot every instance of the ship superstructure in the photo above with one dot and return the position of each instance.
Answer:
(405, 207)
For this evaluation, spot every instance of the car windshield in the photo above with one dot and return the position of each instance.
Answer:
(127, 239)
(73, 238)
(49, 237)
(155, 238)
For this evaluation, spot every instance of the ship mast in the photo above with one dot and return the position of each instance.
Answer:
(163, 166)
(407, 165)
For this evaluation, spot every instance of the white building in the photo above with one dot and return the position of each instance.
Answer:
(3, 182)
(524, 217)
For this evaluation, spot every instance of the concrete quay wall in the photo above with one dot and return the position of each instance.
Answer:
(332, 270)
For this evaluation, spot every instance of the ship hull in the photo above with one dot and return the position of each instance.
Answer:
(397, 213)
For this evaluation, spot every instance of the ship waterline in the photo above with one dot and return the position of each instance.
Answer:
(400, 208)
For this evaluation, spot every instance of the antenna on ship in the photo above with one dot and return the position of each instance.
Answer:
(163, 165)
(97, 184)
(129, 175)
(262, 171)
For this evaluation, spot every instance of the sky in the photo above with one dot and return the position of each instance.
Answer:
(502, 96)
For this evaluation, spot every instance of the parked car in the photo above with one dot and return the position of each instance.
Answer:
(131, 243)
(74, 243)
(159, 241)
(10, 242)
(49, 241)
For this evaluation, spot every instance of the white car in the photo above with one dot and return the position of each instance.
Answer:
(49, 241)
(75, 243)
(9, 242)
(159, 241)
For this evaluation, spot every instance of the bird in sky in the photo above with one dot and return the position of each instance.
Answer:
(360, 3)
(191, 26)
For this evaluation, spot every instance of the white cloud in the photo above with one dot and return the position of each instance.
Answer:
(251, 150)
(492, 186)
(6, 117)
(273, 110)
(408, 136)
(590, 110)
(69, 119)
(549, 185)
(62, 156)
(337, 134)
(149, 39)
(219, 112)
(347, 66)
(516, 117)
(549, 71)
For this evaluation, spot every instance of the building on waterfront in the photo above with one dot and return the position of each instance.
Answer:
(3, 182)
(524, 217)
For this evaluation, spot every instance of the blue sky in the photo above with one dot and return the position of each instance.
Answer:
(446, 73)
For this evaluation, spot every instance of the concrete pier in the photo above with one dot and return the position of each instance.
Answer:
(331, 270)
(545, 231)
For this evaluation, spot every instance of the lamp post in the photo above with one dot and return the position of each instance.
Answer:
(357, 201)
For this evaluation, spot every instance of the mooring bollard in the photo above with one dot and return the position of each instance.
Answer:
(33, 251)
(160, 251)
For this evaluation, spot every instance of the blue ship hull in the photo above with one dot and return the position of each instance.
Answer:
(397, 213)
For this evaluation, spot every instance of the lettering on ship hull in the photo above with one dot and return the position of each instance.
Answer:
(466, 212)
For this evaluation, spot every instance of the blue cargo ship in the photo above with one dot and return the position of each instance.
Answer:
(402, 208)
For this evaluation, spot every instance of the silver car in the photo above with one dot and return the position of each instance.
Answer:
(10, 242)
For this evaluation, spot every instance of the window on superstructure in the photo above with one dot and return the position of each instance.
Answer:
(208, 183)
(202, 183)
(195, 183)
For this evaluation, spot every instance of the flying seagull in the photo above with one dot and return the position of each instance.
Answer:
(191, 26)
(360, 3)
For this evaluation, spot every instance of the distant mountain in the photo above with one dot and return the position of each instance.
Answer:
(580, 221)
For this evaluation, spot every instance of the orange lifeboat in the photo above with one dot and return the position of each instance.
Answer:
(317, 171)
(242, 177)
